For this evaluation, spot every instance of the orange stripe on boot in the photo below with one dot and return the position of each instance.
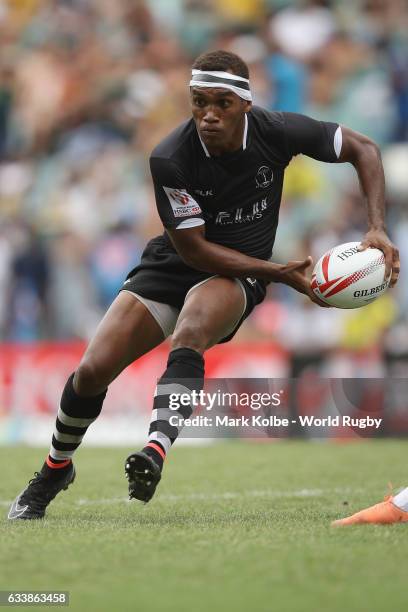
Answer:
(158, 449)
(57, 466)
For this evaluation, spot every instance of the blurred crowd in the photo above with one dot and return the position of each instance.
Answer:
(88, 87)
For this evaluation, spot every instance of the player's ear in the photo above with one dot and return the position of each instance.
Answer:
(247, 105)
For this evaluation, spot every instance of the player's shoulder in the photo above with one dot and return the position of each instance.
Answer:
(268, 128)
(177, 145)
(267, 120)
(278, 120)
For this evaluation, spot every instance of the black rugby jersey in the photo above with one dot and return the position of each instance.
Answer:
(237, 195)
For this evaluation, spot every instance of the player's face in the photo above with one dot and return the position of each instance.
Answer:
(219, 116)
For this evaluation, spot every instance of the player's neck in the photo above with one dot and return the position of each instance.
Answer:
(232, 144)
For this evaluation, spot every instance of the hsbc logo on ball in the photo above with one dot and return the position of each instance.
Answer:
(347, 253)
(182, 203)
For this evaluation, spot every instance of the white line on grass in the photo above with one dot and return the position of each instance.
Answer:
(217, 496)
(222, 496)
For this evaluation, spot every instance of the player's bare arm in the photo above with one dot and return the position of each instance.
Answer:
(365, 156)
(201, 254)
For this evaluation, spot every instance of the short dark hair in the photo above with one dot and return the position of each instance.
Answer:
(222, 60)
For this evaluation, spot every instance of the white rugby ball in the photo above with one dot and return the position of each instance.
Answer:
(345, 277)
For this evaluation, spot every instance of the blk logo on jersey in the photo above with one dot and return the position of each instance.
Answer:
(182, 203)
(204, 192)
(264, 177)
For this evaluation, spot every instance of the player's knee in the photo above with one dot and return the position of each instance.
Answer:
(88, 379)
(189, 334)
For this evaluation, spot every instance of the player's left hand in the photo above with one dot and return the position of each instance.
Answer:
(316, 300)
(296, 276)
(378, 239)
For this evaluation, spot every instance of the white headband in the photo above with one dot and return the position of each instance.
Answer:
(226, 80)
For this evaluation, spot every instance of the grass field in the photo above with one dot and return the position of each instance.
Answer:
(235, 526)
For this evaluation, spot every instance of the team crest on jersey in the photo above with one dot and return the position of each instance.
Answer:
(182, 203)
(264, 177)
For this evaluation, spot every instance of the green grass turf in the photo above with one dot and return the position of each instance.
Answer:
(234, 526)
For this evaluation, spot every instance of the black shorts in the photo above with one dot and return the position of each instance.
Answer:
(163, 277)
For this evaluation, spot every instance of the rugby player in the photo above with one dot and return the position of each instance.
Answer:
(218, 184)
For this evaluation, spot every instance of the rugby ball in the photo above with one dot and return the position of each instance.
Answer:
(345, 277)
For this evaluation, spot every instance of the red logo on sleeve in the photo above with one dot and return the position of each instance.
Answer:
(182, 203)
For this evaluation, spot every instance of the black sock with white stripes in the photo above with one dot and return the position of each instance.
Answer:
(74, 416)
(184, 374)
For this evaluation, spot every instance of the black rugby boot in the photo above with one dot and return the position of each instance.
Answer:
(32, 502)
(143, 475)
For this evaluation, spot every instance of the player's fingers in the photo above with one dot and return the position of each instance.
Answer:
(388, 254)
(299, 265)
(394, 277)
(322, 304)
(363, 245)
(395, 268)
(319, 302)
